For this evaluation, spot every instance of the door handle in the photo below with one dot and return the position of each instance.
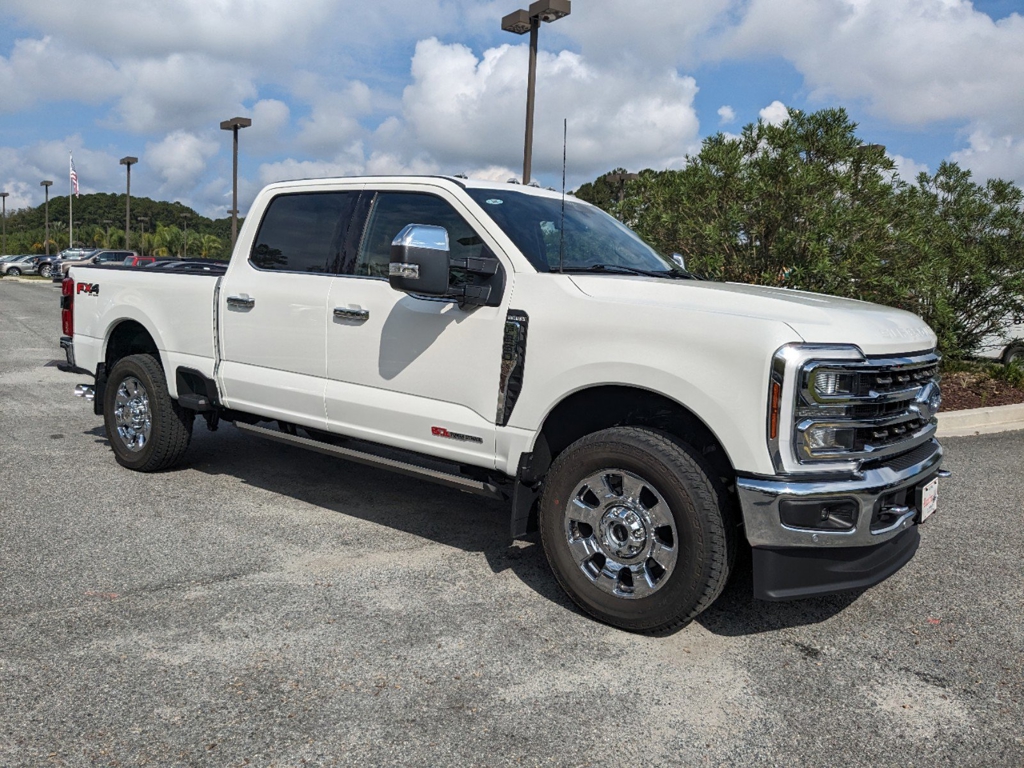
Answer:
(352, 313)
(244, 301)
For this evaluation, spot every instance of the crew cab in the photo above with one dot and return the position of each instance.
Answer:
(521, 344)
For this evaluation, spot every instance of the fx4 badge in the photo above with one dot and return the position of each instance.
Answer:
(442, 432)
(92, 289)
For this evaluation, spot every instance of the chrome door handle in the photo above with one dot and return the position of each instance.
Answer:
(345, 313)
(246, 302)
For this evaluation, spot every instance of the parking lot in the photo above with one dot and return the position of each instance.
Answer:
(262, 605)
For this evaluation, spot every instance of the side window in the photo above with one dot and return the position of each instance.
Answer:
(393, 211)
(303, 232)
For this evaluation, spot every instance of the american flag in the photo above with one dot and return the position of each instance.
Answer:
(74, 177)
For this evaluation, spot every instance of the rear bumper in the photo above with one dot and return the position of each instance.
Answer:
(792, 562)
(67, 343)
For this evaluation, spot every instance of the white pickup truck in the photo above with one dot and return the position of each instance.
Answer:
(508, 341)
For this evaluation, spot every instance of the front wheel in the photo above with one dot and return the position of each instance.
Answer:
(1014, 354)
(146, 428)
(46, 270)
(14, 272)
(637, 528)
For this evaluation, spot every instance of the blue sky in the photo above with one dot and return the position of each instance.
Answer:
(336, 87)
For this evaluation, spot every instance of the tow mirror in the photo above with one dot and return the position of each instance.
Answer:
(420, 260)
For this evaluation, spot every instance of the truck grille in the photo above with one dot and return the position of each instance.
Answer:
(865, 410)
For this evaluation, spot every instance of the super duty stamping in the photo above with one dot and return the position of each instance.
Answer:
(501, 340)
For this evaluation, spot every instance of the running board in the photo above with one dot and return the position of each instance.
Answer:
(458, 482)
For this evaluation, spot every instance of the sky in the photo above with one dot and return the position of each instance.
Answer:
(338, 87)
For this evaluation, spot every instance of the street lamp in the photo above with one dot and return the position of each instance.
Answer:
(184, 218)
(145, 231)
(233, 125)
(46, 240)
(520, 22)
(127, 162)
(3, 198)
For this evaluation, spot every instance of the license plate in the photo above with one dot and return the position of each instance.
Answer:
(929, 499)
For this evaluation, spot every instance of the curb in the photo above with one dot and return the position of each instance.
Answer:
(47, 281)
(981, 421)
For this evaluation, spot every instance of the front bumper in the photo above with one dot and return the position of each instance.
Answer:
(792, 562)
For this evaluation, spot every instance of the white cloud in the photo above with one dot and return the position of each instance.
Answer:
(994, 155)
(775, 113)
(180, 160)
(22, 168)
(43, 70)
(468, 111)
(726, 115)
(270, 118)
(912, 61)
(907, 169)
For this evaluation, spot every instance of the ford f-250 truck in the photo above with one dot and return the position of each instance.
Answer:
(507, 341)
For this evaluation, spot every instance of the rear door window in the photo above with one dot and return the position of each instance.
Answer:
(304, 232)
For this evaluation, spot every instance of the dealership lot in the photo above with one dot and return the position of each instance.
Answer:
(270, 606)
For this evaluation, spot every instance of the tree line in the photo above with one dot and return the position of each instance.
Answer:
(807, 205)
(158, 228)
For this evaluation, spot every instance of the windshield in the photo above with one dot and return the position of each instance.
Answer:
(591, 240)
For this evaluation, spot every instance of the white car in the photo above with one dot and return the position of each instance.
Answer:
(642, 419)
(1007, 347)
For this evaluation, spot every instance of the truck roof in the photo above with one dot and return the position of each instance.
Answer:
(465, 183)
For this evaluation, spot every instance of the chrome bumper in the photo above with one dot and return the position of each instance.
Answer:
(760, 501)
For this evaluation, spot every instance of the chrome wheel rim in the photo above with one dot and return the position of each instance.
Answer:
(132, 415)
(621, 534)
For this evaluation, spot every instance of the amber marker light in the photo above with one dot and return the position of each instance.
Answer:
(773, 423)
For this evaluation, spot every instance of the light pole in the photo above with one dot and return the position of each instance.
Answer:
(184, 218)
(106, 242)
(3, 198)
(46, 240)
(127, 162)
(233, 125)
(620, 180)
(145, 231)
(520, 22)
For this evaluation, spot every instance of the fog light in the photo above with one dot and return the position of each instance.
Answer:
(822, 514)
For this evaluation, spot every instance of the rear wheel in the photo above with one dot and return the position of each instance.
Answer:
(637, 528)
(46, 270)
(146, 428)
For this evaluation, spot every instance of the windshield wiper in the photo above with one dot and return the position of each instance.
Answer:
(619, 269)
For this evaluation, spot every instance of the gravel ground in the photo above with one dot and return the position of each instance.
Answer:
(266, 606)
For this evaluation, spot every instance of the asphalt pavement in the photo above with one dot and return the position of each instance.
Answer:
(262, 605)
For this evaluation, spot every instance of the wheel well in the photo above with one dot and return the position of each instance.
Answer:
(129, 338)
(592, 410)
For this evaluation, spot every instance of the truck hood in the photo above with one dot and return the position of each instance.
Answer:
(815, 317)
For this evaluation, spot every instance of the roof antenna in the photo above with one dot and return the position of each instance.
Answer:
(561, 227)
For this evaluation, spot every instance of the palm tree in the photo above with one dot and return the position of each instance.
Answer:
(168, 241)
(210, 246)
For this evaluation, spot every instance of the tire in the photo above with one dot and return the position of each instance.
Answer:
(147, 430)
(13, 272)
(659, 511)
(46, 270)
(1014, 354)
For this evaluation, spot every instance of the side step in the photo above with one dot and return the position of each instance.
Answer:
(458, 482)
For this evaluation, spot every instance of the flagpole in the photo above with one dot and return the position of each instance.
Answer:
(71, 194)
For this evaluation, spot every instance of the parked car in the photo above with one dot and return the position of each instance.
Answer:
(99, 257)
(18, 265)
(507, 342)
(139, 261)
(47, 266)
